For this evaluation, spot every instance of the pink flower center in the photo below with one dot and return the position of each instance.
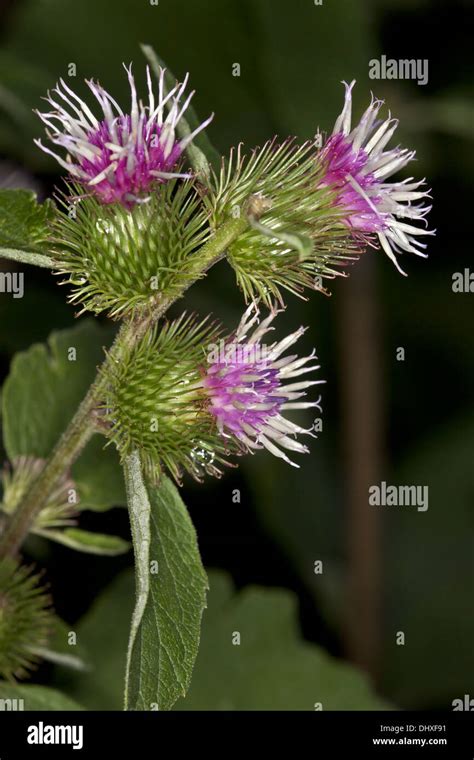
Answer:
(131, 168)
(243, 394)
(342, 164)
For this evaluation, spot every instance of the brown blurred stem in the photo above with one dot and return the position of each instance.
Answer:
(363, 436)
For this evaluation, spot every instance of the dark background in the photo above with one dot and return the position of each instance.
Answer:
(406, 422)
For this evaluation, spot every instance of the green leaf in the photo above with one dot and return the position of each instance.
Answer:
(35, 698)
(171, 594)
(102, 642)
(40, 396)
(86, 541)
(140, 522)
(278, 669)
(200, 151)
(24, 226)
(272, 668)
(59, 651)
(100, 477)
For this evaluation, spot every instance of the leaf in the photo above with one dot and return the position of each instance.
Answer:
(59, 651)
(171, 594)
(87, 541)
(139, 510)
(100, 477)
(102, 642)
(286, 670)
(272, 668)
(200, 151)
(36, 698)
(24, 226)
(22, 219)
(40, 396)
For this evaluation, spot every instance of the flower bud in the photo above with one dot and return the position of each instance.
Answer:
(120, 259)
(185, 400)
(25, 619)
(156, 401)
(17, 478)
(357, 167)
(299, 239)
(119, 157)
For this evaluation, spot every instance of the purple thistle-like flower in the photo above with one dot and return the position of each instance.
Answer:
(119, 156)
(357, 166)
(246, 385)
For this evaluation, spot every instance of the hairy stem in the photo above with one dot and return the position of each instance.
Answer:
(82, 426)
(28, 257)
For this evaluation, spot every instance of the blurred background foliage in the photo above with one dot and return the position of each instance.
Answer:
(420, 411)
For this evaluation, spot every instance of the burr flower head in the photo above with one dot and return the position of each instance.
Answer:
(156, 402)
(357, 167)
(246, 381)
(299, 238)
(187, 399)
(118, 156)
(121, 260)
(25, 619)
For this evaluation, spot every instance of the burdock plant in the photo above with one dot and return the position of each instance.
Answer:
(146, 210)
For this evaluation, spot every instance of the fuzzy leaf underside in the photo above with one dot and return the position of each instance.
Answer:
(171, 589)
(88, 542)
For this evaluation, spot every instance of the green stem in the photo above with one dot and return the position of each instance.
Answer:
(83, 424)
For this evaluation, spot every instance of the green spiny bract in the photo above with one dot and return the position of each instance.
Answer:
(17, 478)
(156, 402)
(25, 619)
(121, 259)
(295, 205)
